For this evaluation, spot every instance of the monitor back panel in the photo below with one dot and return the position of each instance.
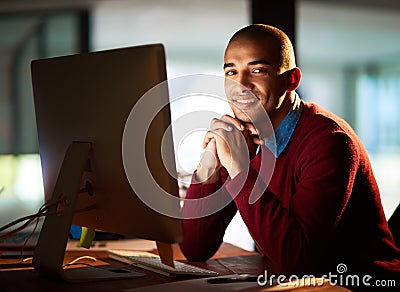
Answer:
(88, 98)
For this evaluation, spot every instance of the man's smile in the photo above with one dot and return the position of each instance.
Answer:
(244, 101)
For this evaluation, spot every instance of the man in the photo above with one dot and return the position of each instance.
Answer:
(320, 205)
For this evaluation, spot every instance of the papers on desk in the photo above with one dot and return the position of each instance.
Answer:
(201, 285)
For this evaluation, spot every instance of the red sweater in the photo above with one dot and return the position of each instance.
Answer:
(320, 208)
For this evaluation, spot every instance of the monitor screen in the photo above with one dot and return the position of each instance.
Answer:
(86, 99)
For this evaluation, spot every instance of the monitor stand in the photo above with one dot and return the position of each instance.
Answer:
(50, 250)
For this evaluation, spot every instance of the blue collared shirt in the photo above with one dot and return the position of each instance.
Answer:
(284, 131)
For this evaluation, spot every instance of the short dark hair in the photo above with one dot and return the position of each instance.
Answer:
(282, 42)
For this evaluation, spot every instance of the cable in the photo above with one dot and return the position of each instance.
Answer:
(106, 268)
(42, 212)
(29, 237)
(75, 261)
(30, 219)
(27, 260)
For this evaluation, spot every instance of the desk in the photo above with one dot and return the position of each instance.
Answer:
(228, 260)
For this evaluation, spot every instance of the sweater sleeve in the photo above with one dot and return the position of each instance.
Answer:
(288, 233)
(207, 211)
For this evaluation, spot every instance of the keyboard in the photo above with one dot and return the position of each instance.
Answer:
(152, 262)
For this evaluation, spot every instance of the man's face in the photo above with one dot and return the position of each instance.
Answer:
(254, 66)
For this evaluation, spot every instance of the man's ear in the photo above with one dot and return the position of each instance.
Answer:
(294, 79)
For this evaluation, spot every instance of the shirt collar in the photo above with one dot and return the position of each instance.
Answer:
(284, 131)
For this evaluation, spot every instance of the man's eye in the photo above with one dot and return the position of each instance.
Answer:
(258, 70)
(230, 73)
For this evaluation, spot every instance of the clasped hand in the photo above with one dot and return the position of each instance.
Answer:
(229, 143)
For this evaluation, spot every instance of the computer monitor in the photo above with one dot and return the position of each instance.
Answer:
(82, 104)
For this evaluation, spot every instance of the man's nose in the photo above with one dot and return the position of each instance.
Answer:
(238, 86)
(238, 89)
(245, 82)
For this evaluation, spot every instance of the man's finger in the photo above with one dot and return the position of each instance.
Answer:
(253, 130)
(206, 140)
(211, 135)
(257, 140)
(218, 135)
(219, 124)
(231, 120)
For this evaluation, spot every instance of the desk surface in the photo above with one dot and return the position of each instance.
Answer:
(228, 260)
